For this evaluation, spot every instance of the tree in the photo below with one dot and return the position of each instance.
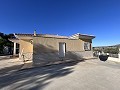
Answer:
(4, 41)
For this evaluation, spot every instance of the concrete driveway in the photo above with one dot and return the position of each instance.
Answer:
(87, 75)
(10, 64)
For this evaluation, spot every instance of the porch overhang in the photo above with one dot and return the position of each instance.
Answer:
(14, 40)
(23, 36)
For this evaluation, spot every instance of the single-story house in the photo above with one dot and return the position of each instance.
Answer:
(44, 48)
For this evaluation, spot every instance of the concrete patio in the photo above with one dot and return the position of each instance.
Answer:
(86, 75)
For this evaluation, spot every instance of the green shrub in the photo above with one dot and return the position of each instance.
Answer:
(111, 50)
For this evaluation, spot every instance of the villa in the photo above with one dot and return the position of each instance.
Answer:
(46, 48)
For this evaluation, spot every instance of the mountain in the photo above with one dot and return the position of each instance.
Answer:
(118, 45)
(112, 46)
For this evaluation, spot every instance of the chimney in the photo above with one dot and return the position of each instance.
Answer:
(34, 32)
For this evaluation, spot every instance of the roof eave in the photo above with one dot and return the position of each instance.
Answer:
(23, 37)
(86, 37)
(14, 40)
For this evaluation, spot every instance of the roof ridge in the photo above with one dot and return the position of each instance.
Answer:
(36, 34)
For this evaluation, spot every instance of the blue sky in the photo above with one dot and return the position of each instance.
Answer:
(63, 17)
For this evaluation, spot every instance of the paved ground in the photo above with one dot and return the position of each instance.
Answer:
(114, 59)
(10, 65)
(88, 75)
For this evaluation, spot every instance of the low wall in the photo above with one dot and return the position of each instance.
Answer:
(114, 59)
(113, 55)
(43, 58)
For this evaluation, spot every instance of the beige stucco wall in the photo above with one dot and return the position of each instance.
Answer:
(42, 44)
(46, 50)
(26, 49)
(26, 46)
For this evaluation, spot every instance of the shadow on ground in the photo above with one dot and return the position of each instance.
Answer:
(10, 69)
(35, 78)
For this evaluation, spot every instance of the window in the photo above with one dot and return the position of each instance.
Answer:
(87, 46)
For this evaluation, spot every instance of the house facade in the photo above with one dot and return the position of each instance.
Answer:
(45, 48)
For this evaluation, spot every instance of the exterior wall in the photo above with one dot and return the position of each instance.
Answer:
(83, 54)
(52, 44)
(45, 50)
(26, 49)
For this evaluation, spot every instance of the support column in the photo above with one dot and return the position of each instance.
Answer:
(14, 50)
(119, 54)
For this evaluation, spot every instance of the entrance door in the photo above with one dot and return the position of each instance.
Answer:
(62, 49)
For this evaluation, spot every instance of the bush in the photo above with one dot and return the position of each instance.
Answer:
(111, 50)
